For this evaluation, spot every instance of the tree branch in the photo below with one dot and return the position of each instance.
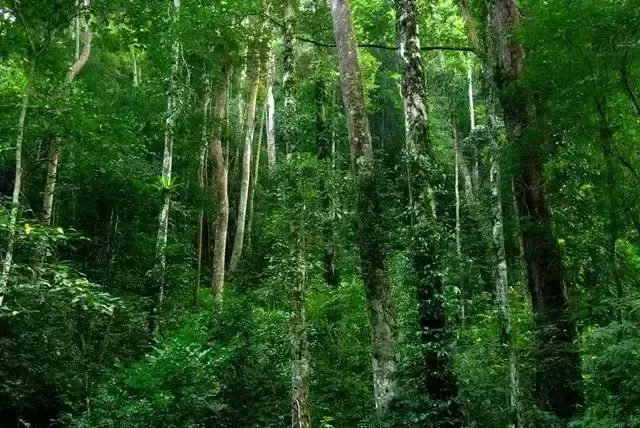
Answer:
(371, 45)
(389, 47)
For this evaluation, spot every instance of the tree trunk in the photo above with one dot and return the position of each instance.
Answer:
(81, 59)
(502, 285)
(271, 112)
(606, 145)
(325, 155)
(50, 186)
(221, 174)
(300, 405)
(17, 187)
(382, 317)
(558, 375)
(171, 117)
(472, 113)
(254, 176)
(456, 142)
(440, 383)
(136, 78)
(202, 182)
(250, 121)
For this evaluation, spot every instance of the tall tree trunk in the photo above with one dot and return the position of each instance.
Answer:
(472, 113)
(136, 77)
(202, 182)
(254, 176)
(55, 150)
(52, 174)
(271, 111)
(380, 305)
(606, 145)
(323, 142)
(300, 405)
(249, 121)
(440, 382)
(558, 375)
(17, 186)
(502, 285)
(221, 174)
(456, 142)
(171, 117)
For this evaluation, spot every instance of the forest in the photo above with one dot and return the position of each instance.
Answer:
(320, 213)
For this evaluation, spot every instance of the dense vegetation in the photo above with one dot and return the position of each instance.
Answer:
(346, 213)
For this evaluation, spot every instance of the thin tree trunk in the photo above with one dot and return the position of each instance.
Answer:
(221, 174)
(171, 117)
(254, 176)
(134, 56)
(456, 142)
(250, 119)
(472, 114)
(202, 168)
(606, 144)
(440, 382)
(325, 155)
(502, 285)
(558, 373)
(17, 187)
(82, 57)
(271, 111)
(300, 405)
(382, 317)
(52, 174)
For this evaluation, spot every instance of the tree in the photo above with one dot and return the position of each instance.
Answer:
(300, 365)
(221, 174)
(253, 58)
(557, 363)
(380, 305)
(440, 382)
(171, 117)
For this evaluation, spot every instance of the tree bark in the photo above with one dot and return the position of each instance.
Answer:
(472, 113)
(502, 285)
(558, 375)
(254, 176)
(221, 174)
(271, 111)
(606, 145)
(17, 186)
(380, 305)
(52, 174)
(325, 155)
(171, 117)
(300, 366)
(440, 382)
(202, 183)
(250, 119)
(55, 151)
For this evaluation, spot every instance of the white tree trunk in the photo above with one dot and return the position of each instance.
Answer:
(55, 151)
(271, 112)
(167, 161)
(456, 142)
(50, 185)
(502, 282)
(250, 119)
(136, 79)
(202, 168)
(17, 188)
(254, 177)
(221, 174)
(472, 114)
